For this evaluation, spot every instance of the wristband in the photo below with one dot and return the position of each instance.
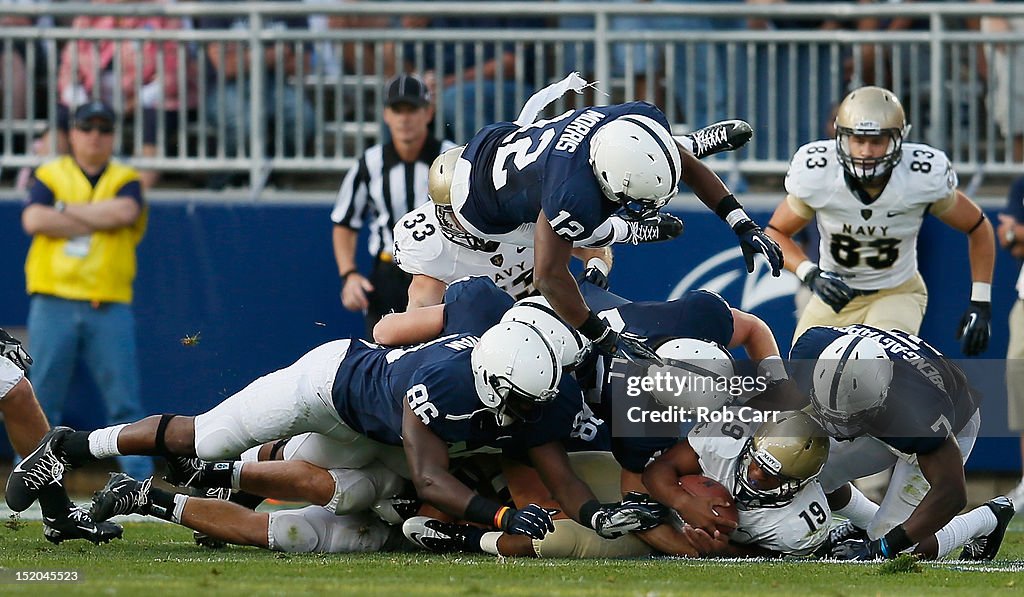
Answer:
(482, 510)
(594, 328)
(598, 264)
(588, 511)
(726, 206)
(60, 206)
(895, 541)
(500, 515)
(981, 292)
(737, 216)
(344, 276)
(804, 269)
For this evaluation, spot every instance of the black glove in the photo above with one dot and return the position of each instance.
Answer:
(595, 277)
(617, 520)
(830, 288)
(532, 521)
(626, 345)
(11, 348)
(844, 531)
(754, 240)
(975, 328)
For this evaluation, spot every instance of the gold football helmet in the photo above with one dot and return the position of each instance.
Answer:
(439, 189)
(868, 112)
(793, 449)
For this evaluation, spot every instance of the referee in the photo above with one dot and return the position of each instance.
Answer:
(389, 181)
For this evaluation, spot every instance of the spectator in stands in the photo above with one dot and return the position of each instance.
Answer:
(1011, 238)
(114, 72)
(388, 181)
(228, 100)
(86, 215)
(465, 106)
(13, 78)
(1006, 75)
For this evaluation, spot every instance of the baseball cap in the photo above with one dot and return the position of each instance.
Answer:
(406, 89)
(95, 109)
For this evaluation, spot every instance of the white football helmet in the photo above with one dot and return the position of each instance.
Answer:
(870, 112)
(537, 311)
(515, 368)
(700, 370)
(637, 164)
(851, 381)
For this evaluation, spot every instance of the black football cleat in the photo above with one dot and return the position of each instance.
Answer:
(653, 229)
(183, 471)
(121, 495)
(77, 524)
(985, 548)
(727, 135)
(44, 466)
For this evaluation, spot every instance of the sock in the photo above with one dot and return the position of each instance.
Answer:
(251, 455)
(620, 229)
(236, 475)
(76, 448)
(54, 501)
(103, 442)
(161, 504)
(218, 474)
(861, 511)
(976, 523)
(489, 542)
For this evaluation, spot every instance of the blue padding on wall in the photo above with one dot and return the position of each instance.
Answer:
(258, 282)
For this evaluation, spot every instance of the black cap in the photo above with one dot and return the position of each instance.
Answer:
(95, 109)
(406, 89)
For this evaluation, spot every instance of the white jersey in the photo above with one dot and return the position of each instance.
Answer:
(796, 528)
(421, 248)
(10, 375)
(873, 246)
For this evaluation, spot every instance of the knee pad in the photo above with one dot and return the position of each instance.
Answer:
(217, 441)
(330, 452)
(354, 491)
(289, 531)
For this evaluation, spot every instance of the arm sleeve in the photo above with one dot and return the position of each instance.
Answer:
(39, 193)
(352, 197)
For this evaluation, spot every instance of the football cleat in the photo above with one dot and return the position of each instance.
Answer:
(442, 537)
(77, 524)
(985, 548)
(652, 229)
(727, 135)
(44, 466)
(183, 471)
(121, 495)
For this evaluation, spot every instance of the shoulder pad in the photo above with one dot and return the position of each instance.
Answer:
(814, 168)
(415, 256)
(930, 171)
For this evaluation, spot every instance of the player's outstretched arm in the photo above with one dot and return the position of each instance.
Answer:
(975, 325)
(785, 223)
(947, 496)
(412, 327)
(661, 477)
(425, 291)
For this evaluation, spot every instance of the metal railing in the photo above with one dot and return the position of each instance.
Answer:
(699, 61)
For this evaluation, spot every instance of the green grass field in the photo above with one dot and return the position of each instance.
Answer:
(157, 560)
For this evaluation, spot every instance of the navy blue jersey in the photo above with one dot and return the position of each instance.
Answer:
(373, 384)
(928, 400)
(517, 171)
(697, 314)
(473, 305)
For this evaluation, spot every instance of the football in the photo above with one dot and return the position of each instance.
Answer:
(701, 486)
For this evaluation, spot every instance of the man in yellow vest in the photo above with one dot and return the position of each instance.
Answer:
(86, 215)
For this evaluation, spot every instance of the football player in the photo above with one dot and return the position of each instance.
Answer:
(771, 473)
(889, 398)
(870, 191)
(26, 425)
(554, 184)
(455, 390)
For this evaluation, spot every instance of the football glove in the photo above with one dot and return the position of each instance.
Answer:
(975, 328)
(753, 240)
(829, 287)
(635, 498)
(858, 549)
(596, 277)
(11, 348)
(532, 521)
(626, 345)
(617, 520)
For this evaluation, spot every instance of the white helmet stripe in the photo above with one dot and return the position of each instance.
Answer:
(834, 391)
(546, 309)
(661, 144)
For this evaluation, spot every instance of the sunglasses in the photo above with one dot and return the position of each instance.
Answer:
(87, 127)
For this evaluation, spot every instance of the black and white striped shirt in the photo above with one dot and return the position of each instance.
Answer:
(382, 188)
